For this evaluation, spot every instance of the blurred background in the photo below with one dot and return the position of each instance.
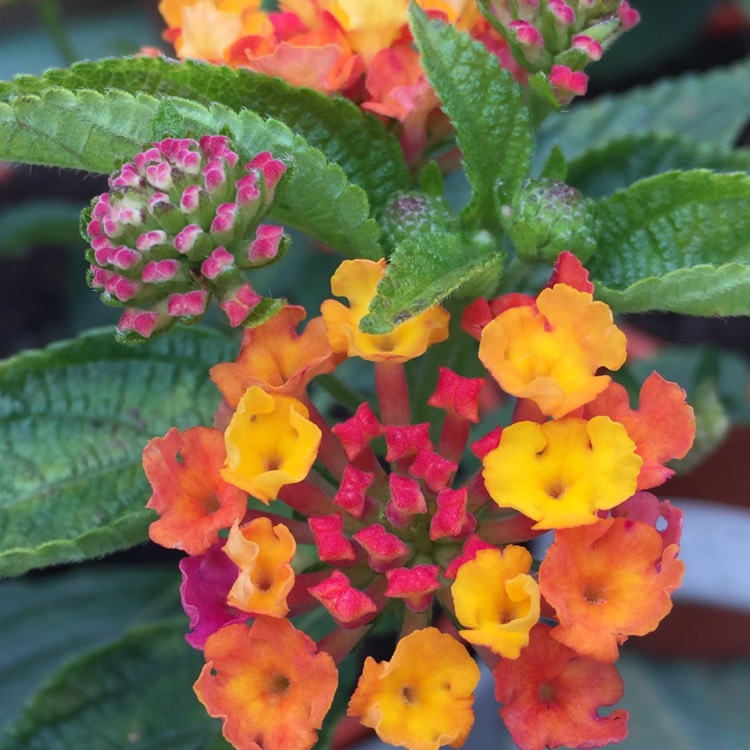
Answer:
(688, 685)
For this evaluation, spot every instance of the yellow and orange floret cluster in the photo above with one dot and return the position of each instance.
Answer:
(371, 516)
(363, 49)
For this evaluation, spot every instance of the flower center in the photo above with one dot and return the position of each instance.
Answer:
(279, 684)
(408, 695)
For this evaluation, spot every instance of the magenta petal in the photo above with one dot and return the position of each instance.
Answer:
(206, 580)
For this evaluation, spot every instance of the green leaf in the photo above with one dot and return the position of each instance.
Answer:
(135, 693)
(356, 141)
(89, 130)
(46, 620)
(422, 271)
(74, 419)
(710, 107)
(679, 241)
(485, 106)
(618, 163)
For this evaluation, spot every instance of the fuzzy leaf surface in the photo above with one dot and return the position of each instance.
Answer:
(484, 104)
(619, 163)
(423, 271)
(89, 130)
(679, 242)
(74, 419)
(356, 141)
(710, 107)
(134, 693)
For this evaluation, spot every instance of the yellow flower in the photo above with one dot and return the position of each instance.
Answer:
(357, 280)
(371, 25)
(422, 698)
(497, 599)
(263, 553)
(560, 473)
(270, 442)
(550, 352)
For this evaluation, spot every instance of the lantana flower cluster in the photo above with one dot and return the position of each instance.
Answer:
(363, 48)
(283, 510)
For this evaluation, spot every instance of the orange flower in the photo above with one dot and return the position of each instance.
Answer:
(371, 25)
(550, 352)
(552, 697)
(263, 553)
(416, 700)
(608, 581)
(268, 684)
(497, 599)
(357, 280)
(270, 442)
(277, 358)
(192, 500)
(561, 473)
(663, 427)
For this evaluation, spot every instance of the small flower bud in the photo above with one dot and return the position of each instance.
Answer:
(180, 225)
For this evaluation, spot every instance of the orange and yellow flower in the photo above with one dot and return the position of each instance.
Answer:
(560, 473)
(263, 554)
(497, 600)
(191, 498)
(550, 352)
(608, 581)
(357, 280)
(268, 684)
(270, 442)
(416, 700)
(277, 358)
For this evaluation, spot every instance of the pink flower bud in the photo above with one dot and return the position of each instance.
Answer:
(219, 261)
(190, 200)
(186, 238)
(349, 607)
(590, 47)
(159, 271)
(217, 147)
(271, 169)
(265, 246)
(239, 303)
(436, 471)
(160, 175)
(568, 83)
(247, 189)
(124, 258)
(158, 200)
(214, 176)
(189, 303)
(143, 322)
(121, 288)
(352, 490)
(628, 16)
(355, 433)
(562, 12)
(333, 547)
(224, 219)
(527, 34)
(149, 240)
(406, 500)
(451, 519)
(147, 157)
(406, 441)
(457, 394)
(480, 448)
(415, 586)
(384, 550)
(99, 277)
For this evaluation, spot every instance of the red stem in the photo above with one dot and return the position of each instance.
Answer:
(393, 393)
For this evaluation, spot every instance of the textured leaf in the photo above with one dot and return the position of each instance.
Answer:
(45, 620)
(709, 107)
(74, 419)
(679, 241)
(89, 130)
(357, 142)
(135, 693)
(423, 271)
(485, 106)
(618, 163)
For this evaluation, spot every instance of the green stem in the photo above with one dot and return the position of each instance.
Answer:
(51, 18)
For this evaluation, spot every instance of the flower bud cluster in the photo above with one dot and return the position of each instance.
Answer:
(561, 37)
(179, 225)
